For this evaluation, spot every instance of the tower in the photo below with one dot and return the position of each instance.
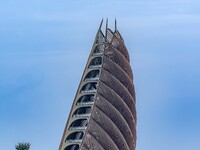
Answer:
(103, 114)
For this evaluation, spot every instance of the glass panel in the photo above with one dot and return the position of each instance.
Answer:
(93, 74)
(79, 123)
(83, 110)
(89, 87)
(95, 62)
(86, 98)
(72, 147)
(75, 136)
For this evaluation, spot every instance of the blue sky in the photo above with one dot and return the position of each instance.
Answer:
(43, 41)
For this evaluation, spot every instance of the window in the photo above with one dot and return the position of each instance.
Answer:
(75, 136)
(72, 147)
(89, 87)
(79, 123)
(85, 99)
(92, 75)
(83, 111)
(95, 62)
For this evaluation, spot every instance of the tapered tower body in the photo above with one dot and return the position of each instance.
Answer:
(103, 114)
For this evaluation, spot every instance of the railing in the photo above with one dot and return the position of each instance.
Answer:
(92, 79)
(82, 115)
(74, 141)
(89, 91)
(85, 103)
(97, 53)
(77, 128)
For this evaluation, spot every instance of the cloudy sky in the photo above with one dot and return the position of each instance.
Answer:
(44, 46)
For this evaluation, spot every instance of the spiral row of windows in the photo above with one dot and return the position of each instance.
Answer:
(85, 102)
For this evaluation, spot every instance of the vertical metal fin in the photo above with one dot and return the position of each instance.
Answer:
(115, 25)
(101, 24)
(106, 29)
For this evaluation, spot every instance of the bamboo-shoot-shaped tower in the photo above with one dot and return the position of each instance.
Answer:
(103, 114)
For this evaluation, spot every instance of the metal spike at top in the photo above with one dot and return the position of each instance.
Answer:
(106, 29)
(115, 25)
(101, 24)
(99, 30)
(107, 23)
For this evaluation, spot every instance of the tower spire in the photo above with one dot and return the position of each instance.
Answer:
(115, 25)
(106, 23)
(101, 24)
(106, 29)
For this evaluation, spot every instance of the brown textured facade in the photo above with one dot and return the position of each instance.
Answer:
(103, 115)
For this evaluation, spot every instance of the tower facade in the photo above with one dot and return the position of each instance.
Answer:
(103, 114)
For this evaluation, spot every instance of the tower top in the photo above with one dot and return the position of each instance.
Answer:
(107, 25)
